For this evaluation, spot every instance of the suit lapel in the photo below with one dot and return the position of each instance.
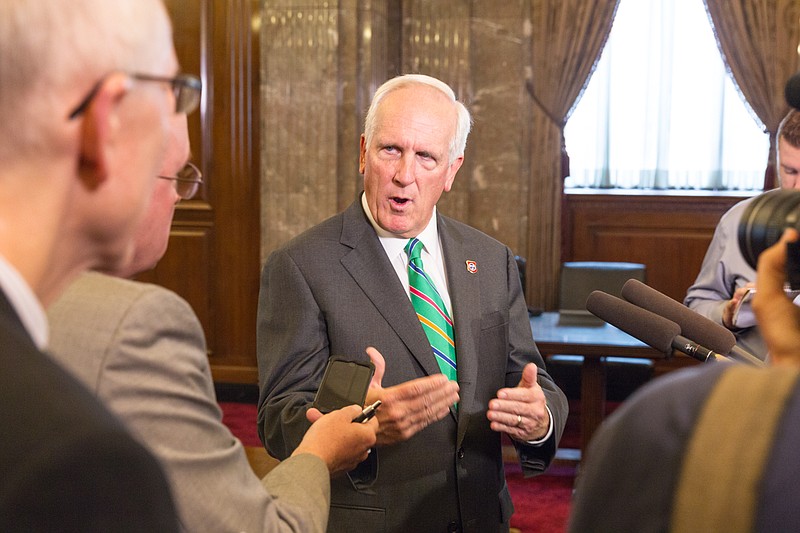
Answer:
(370, 268)
(465, 299)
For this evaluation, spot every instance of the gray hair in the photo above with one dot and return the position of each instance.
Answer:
(463, 124)
(52, 52)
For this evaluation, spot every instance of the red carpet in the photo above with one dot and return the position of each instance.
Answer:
(241, 420)
(541, 503)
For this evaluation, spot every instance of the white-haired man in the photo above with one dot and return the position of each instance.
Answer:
(87, 91)
(453, 374)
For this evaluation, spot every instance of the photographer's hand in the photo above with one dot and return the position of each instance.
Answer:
(778, 318)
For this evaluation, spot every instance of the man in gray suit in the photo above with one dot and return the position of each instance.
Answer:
(342, 288)
(141, 350)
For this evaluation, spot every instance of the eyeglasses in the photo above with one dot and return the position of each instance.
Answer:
(187, 89)
(187, 181)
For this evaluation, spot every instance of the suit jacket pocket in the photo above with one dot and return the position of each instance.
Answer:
(346, 519)
(494, 319)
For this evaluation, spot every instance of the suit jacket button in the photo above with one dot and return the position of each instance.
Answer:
(452, 527)
(461, 453)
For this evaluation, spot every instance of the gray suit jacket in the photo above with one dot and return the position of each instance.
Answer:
(141, 350)
(332, 291)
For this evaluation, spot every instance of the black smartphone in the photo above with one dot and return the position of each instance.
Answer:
(344, 383)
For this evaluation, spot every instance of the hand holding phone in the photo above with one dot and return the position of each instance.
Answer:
(344, 383)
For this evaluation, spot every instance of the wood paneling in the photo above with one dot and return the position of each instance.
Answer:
(668, 234)
(213, 256)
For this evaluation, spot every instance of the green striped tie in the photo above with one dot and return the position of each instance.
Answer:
(431, 311)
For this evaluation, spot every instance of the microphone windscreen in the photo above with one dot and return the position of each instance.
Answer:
(693, 325)
(792, 91)
(651, 329)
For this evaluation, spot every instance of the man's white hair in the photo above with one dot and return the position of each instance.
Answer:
(463, 124)
(52, 52)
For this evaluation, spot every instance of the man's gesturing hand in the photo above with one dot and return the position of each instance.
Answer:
(411, 406)
(521, 411)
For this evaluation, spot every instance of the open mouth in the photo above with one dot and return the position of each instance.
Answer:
(399, 201)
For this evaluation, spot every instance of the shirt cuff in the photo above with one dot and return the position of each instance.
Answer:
(549, 433)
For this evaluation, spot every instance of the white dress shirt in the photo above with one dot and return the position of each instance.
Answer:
(24, 302)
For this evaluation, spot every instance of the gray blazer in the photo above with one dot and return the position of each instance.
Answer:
(141, 350)
(333, 291)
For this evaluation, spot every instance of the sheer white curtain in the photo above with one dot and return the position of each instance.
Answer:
(660, 112)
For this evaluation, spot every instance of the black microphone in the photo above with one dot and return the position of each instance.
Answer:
(693, 325)
(792, 91)
(656, 331)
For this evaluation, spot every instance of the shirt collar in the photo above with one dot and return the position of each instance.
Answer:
(25, 303)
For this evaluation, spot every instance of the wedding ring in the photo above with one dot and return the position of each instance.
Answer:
(519, 420)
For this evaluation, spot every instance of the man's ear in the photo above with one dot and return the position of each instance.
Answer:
(362, 155)
(100, 126)
(451, 173)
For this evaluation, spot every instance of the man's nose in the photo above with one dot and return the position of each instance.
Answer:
(404, 171)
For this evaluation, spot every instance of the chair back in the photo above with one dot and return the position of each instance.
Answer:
(578, 280)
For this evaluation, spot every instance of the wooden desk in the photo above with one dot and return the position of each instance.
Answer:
(594, 343)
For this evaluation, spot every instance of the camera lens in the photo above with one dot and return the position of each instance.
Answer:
(764, 220)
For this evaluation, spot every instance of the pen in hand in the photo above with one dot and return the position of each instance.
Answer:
(367, 413)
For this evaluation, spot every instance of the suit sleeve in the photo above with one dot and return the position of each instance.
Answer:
(522, 350)
(157, 378)
(292, 349)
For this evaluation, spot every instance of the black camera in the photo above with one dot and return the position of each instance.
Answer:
(763, 223)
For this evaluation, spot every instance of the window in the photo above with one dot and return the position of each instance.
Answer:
(661, 112)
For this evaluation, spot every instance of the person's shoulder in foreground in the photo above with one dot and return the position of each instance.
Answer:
(65, 462)
(628, 476)
(721, 436)
(646, 467)
(146, 356)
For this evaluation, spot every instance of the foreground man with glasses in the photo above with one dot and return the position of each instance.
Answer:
(72, 192)
(140, 349)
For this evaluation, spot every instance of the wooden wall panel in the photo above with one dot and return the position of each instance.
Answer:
(184, 270)
(669, 234)
(213, 256)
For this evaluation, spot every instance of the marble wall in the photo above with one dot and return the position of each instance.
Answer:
(322, 61)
